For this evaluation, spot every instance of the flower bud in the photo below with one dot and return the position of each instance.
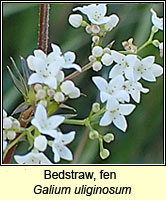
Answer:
(95, 29)
(59, 97)
(37, 87)
(75, 93)
(95, 39)
(91, 58)
(107, 59)
(75, 20)
(67, 87)
(40, 143)
(41, 94)
(88, 29)
(93, 135)
(104, 153)
(95, 107)
(154, 29)
(97, 51)
(60, 76)
(43, 102)
(97, 66)
(16, 124)
(7, 123)
(50, 92)
(156, 43)
(11, 135)
(109, 137)
(107, 50)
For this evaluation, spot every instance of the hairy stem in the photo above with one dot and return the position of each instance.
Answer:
(43, 27)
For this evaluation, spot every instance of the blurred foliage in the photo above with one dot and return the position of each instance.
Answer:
(143, 141)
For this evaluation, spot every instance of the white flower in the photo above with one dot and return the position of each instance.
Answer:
(115, 113)
(32, 158)
(40, 143)
(45, 69)
(157, 22)
(69, 89)
(69, 58)
(44, 124)
(10, 135)
(75, 20)
(97, 51)
(124, 64)
(107, 59)
(111, 90)
(114, 19)
(95, 13)
(59, 146)
(134, 88)
(147, 69)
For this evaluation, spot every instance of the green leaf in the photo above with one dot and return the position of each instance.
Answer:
(26, 71)
(22, 107)
(16, 82)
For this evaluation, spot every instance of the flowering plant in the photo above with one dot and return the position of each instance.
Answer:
(46, 88)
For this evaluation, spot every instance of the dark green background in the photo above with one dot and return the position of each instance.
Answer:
(143, 141)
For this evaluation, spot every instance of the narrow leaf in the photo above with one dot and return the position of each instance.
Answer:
(26, 71)
(22, 107)
(16, 82)
(67, 107)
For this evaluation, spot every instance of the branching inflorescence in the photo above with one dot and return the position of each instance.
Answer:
(45, 88)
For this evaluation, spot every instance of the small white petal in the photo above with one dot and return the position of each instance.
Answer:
(68, 137)
(104, 96)
(75, 20)
(40, 54)
(56, 155)
(148, 76)
(126, 109)
(148, 61)
(65, 153)
(51, 82)
(120, 122)
(69, 57)
(54, 121)
(56, 49)
(72, 66)
(157, 70)
(116, 70)
(117, 57)
(35, 78)
(106, 119)
(101, 83)
(75, 93)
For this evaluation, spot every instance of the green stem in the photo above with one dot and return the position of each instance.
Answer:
(12, 144)
(75, 122)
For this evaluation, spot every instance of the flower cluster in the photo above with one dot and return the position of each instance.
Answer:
(100, 25)
(10, 127)
(47, 127)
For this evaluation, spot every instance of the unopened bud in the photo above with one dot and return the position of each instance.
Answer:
(95, 29)
(95, 107)
(104, 153)
(11, 135)
(50, 92)
(107, 59)
(88, 29)
(91, 58)
(75, 20)
(97, 66)
(7, 123)
(59, 97)
(97, 51)
(43, 102)
(95, 39)
(38, 87)
(40, 143)
(154, 29)
(107, 50)
(41, 94)
(109, 137)
(16, 124)
(94, 135)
